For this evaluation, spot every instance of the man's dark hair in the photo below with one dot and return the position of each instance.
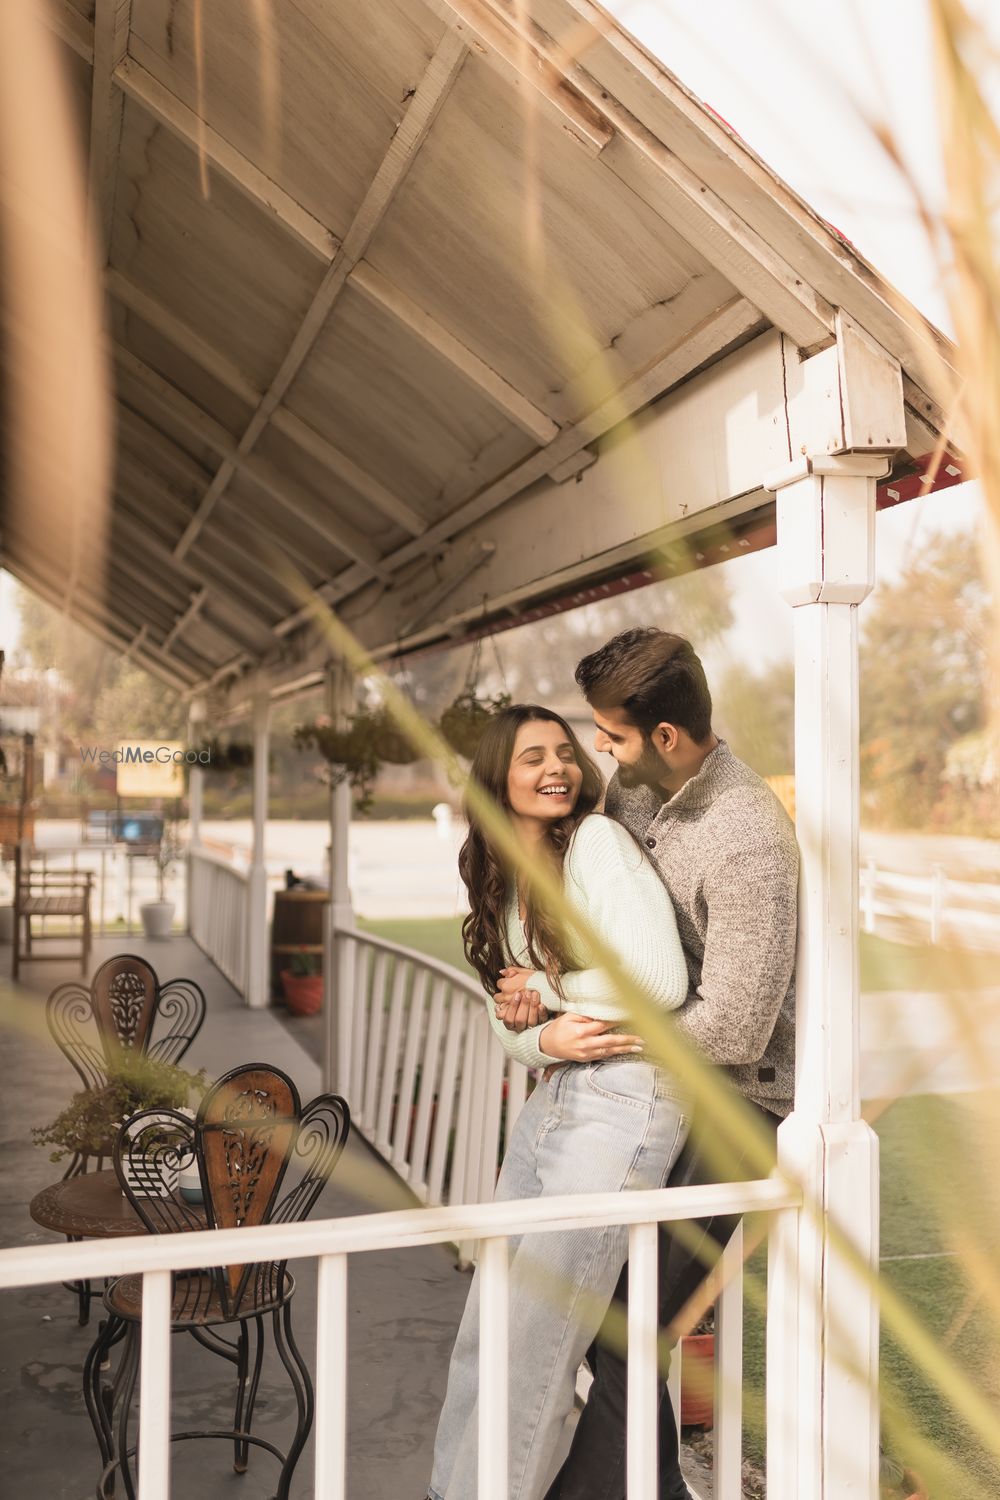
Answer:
(655, 677)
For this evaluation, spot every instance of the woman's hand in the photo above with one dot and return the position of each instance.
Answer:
(578, 1039)
(513, 979)
(520, 1010)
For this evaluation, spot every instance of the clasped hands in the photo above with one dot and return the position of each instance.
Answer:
(568, 1037)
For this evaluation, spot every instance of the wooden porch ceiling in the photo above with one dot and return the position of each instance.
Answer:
(375, 269)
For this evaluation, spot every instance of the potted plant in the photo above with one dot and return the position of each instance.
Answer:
(463, 723)
(158, 916)
(302, 983)
(92, 1118)
(698, 1374)
(351, 753)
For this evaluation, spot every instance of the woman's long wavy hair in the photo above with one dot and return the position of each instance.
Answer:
(486, 876)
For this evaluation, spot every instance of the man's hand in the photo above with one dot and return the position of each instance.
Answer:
(573, 1038)
(520, 1010)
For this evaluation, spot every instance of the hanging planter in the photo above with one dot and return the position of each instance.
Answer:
(390, 745)
(464, 722)
(235, 755)
(356, 753)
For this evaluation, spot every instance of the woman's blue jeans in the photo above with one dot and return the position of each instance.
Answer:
(593, 1128)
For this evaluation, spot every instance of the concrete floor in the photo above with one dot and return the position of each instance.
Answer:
(404, 1305)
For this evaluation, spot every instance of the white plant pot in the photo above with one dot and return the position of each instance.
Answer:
(157, 918)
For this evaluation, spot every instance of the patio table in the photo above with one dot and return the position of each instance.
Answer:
(92, 1206)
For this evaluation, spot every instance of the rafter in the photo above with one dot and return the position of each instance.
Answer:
(513, 40)
(431, 92)
(108, 628)
(378, 289)
(731, 324)
(112, 19)
(187, 618)
(165, 107)
(73, 28)
(213, 434)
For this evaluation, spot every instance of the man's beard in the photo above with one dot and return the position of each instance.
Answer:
(646, 771)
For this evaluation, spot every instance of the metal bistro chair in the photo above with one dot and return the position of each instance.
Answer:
(117, 1014)
(250, 1130)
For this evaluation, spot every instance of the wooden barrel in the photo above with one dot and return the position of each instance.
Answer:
(296, 927)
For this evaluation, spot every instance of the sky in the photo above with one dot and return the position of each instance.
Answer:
(803, 84)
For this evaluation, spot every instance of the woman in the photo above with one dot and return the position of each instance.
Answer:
(608, 1120)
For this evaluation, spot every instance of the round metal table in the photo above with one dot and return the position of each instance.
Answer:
(91, 1206)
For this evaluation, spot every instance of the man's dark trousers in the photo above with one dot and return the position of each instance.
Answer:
(595, 1466)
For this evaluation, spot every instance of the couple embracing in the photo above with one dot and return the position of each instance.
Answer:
(689, 875)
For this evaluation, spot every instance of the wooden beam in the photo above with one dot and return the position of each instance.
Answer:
(108, 628)
(210, 432)
(181, 335)
(242, 595)
(657, 175)
(733, 323)
(112, 20)
(254, 184)
(188, 617)
(305, 507)
(433, 89)
(338, 464)
(71, 27)
(378, 289)
(487, 32)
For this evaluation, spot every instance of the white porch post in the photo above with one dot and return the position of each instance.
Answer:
(337, 967)
(258, 978)
(196, 776)
(822, 1359)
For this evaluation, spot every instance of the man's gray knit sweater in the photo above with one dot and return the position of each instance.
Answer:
(725, 849)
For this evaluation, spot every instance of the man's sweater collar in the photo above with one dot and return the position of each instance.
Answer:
(713, 777)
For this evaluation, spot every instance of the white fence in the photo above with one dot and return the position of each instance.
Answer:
(218, 903)
(332, 1241)
(428, 1084)
(930, 908)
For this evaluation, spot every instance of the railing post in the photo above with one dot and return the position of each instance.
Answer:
(337, 966)
(642, 1453)
(493, 1384)
(154, 1387)
(727, 1435)
(939, 888)
(822, 1374)
(331, 1378)
(196, 789)
(257, 985)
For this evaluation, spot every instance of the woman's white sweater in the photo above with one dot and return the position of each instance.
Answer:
(609, 881)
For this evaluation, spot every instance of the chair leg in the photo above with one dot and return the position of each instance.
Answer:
(242, 1367)
(298, 1373)
(258, 1362)
(110, 1333)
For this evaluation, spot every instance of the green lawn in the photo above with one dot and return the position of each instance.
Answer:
(937, 1173)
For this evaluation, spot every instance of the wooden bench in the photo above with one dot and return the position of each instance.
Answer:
(43, 893)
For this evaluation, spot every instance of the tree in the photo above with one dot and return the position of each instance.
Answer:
(924, 676)
(755, 713)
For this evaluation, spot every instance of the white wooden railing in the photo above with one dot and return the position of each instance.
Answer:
(434, 1092)
(332, 1241)
(217, 906)
(931, 907)
(428, 1083)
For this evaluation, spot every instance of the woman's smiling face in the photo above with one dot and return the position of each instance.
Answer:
(544, 779)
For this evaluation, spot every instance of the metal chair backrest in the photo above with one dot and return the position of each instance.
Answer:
(250, 1129)
(118, 1014)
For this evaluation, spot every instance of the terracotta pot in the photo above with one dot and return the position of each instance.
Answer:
(303, 992)
(698, 1380)
(915, 1483)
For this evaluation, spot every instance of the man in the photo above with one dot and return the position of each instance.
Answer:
(725, 849)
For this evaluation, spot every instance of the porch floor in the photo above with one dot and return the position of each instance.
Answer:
(404, 1305)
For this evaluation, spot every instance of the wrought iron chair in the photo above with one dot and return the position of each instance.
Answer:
(249, 1132)
(117, 1014)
